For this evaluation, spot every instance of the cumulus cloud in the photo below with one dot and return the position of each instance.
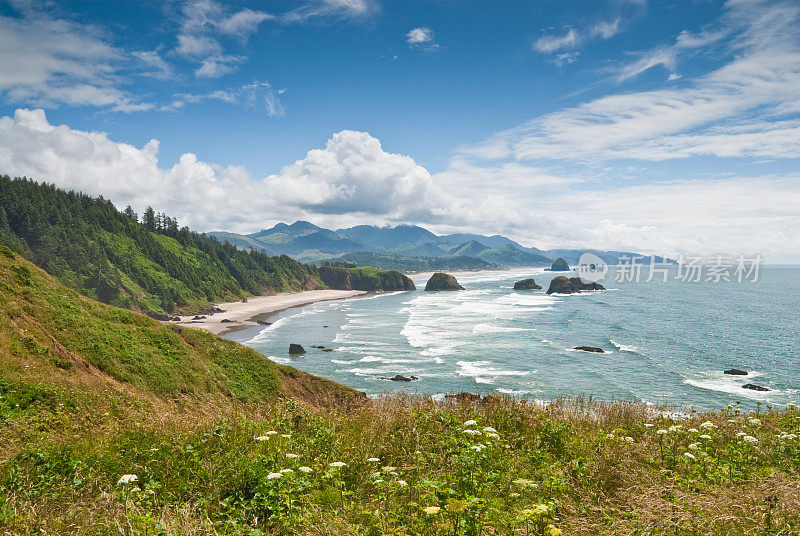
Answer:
(351, 175)
(51, 61)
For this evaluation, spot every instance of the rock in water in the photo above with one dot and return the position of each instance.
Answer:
(296, 349)
(559, 265)
(401, 378)
(563, 285)
(594, 349)
(735, 372)
(526, 284)
(754, 387)
(440, 281)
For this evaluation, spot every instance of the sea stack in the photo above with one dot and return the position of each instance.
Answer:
(572, 285)
(559, 265)
(440, 281)
(526, 284)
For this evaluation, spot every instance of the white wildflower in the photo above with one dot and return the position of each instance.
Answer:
(705, 436)
(648, 425)
(304, 469)
(708, 424)
(262, 438)
(273, 476)
(292, 456)
(675, 428)
(373, 459)
(628, 439)
(689, 455)
(402, 483)
(338, 464)
(472, 432)
(271, 432)
(127, 479)
(694, 446)
(750, 439)
(489, 429)
(740, 434)
(470, 423)
(287, 471)
(287, 436)
(754, 421)
(493, 436)
(661, 432)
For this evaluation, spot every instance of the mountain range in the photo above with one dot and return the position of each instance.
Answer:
(404, 247)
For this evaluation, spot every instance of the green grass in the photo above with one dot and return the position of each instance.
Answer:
(90, 392)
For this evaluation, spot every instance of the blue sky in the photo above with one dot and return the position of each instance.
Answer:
(665, 127)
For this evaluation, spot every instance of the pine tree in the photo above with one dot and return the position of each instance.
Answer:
(149, 219)
(131, 214)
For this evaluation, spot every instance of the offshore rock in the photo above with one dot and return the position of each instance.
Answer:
(441, 281)
(572, 285)
(526, 284)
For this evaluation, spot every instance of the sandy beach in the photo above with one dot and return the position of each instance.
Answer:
(238, 315)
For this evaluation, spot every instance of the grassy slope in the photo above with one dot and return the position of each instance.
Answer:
(89, 392)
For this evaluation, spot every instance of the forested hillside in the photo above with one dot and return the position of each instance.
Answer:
(147, 265)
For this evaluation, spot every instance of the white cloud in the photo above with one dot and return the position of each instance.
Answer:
(731, 111)
(553, 43)
(421, 39)
(572, 39)
(257, 96)
(50, 61)
(332, 8)
(352, 175)
(352, 179)
(204, 23)
(157, 67)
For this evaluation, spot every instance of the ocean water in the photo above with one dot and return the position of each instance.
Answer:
(664, 342)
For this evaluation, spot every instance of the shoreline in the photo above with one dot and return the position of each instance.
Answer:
(240, 315)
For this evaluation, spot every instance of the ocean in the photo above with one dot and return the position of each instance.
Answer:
(665, 342)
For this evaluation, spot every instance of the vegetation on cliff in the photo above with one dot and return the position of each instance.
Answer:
(152, 265)
(348, 277)
(115, 424)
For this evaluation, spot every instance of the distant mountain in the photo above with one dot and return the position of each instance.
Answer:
(307, 242)
(383, 238)
(572, 256)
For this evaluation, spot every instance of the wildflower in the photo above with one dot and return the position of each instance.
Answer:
(431, 510)
(524, 482)
(271, 432)
(286, 435)
(373, 459)
(489, 429)
(610, 436)
(273, 476)
(472, 432)
(304, 469)
(689, 455)
(292, 456)
(705, 436)
(661, 432)
(470, 423)
(740, 434)
(675, 428)
(286, 471)
(750, 439)
(708, 424)
(389, 469)
(694, 446)
(127, 479)
(648, 425)
(402, 483)
(493, 436)
(478, 448)
(791, 436)
(338, 464)
(754, 421)
(629, 439)
(262, 438)
(693, 430)
(552, 530)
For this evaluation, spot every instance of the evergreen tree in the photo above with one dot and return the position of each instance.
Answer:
(149, 219)
(131, 214)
